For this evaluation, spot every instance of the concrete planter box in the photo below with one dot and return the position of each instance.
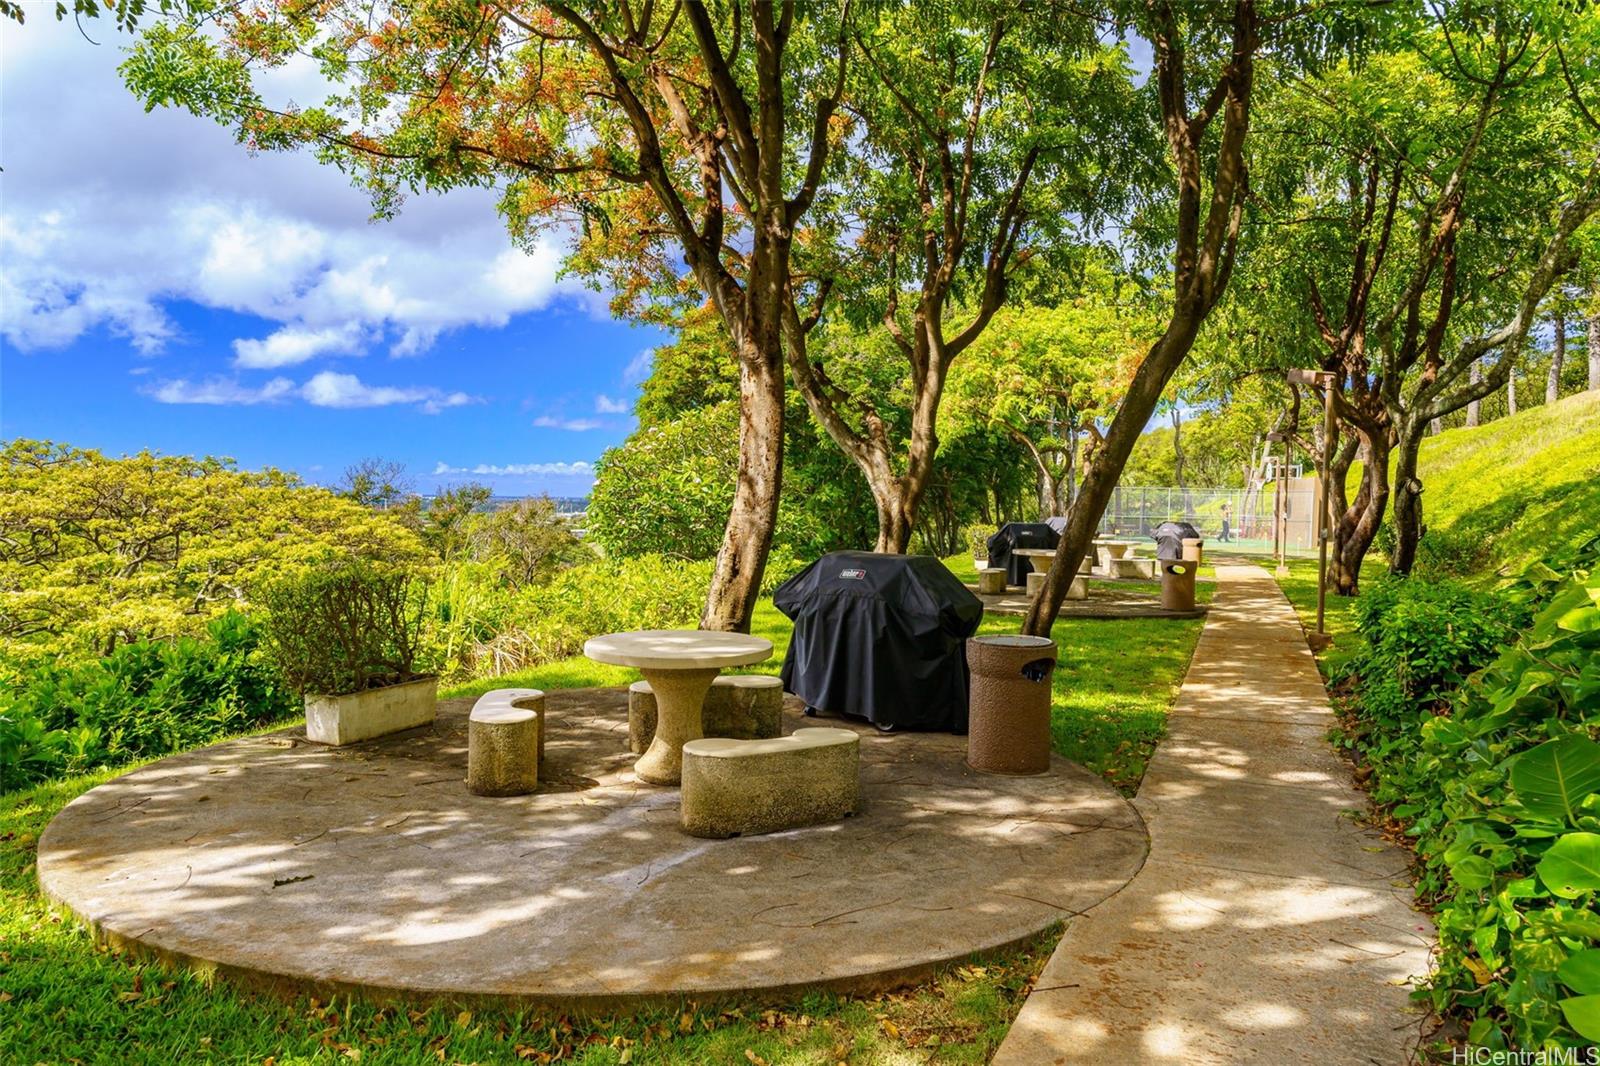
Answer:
(374, 713)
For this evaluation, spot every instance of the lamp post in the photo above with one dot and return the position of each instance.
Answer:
(1325, 380)
(1280, 502)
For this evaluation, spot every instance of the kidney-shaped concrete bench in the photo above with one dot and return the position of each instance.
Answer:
(743, 787)
(505, 742)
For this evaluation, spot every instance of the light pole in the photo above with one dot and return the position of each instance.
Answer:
(1280, 502)
(1325, 380)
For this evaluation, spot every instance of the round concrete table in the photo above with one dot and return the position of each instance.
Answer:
(1116, 549)
(1039, 557)
(680, 665)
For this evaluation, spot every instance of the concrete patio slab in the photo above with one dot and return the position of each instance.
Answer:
(371, 869)
(1268, 925)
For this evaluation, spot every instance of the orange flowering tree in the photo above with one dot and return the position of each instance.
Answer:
(679, 143)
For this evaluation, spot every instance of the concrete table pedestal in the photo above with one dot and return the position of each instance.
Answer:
(680, 665)
(680, 694)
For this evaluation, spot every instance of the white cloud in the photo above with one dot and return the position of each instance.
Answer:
(330, 389)
(607, 406)
(578, 469)
(574, 425)
(189, 215)
(327, 389)
(638, 367)
(221, 391)
(289, 346)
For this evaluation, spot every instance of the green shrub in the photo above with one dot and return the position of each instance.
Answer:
(1505, 811)
(1423, 638)
(553, 620)
(143, 700)
(667, 490)
(346, 627)
(1495, 776)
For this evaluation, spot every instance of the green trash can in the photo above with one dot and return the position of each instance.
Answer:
(1177, 584)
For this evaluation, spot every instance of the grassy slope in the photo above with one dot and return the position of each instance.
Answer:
(61, 1000)
(1508, 492)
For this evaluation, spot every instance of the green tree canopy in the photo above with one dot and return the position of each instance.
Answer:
(98, 551)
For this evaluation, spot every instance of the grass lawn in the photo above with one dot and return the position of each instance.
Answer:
(64, 1001)
(1338, 615)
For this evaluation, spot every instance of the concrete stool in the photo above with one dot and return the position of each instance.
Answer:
(1193, 550)
(745, 787)
(641, 717)
(738, 707)
(744, 707)
(505, 742)
(1035, 580)
(1086, 565)
(1078, 590)
(991, 581)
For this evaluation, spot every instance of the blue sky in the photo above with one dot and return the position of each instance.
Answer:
(160, 287)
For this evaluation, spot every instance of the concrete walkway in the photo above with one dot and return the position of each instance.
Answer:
(1267, 925)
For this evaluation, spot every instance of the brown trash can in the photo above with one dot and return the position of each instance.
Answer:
(1008, 724)
(1177, 584)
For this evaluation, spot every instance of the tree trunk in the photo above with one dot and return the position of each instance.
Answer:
(1475, 408)
(1072, 465)
(1206, 235)
(1408, 527)
(895, 520)
(1177, 446)
(1511, 393)
(1101, 476)
(1359, 524)
(736, 579)
(1558, 358)
(1594, 342)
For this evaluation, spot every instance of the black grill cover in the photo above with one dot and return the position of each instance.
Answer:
(1170, 537)
(880, 637)
(1020, 535)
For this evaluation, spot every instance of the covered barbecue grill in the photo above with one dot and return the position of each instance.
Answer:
(880, 637)
(1021, 535)
(1170, 537)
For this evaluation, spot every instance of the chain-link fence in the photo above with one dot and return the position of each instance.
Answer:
(1239, 519)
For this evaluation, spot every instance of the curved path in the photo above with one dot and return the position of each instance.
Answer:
(1267, 926)
(371, 869)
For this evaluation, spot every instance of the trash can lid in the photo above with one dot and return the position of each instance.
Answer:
(1016, 641)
